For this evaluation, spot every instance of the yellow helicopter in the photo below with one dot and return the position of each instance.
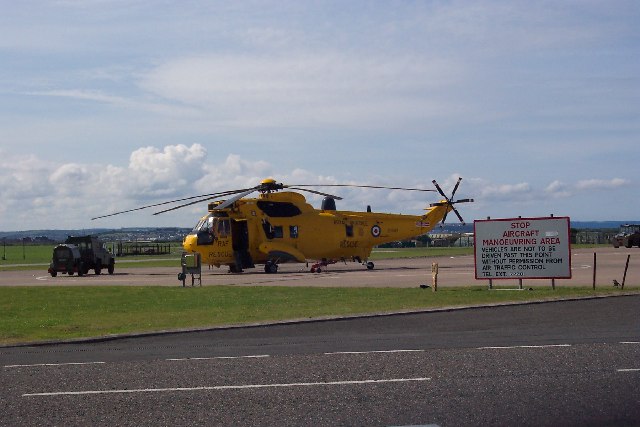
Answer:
(279, 226)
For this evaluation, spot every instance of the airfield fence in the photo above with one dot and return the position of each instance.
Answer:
(142, 248)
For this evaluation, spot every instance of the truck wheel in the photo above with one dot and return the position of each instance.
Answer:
(54, 273)
(112, 266)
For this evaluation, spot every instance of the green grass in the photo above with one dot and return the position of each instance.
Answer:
(31, 314)
(27, 254)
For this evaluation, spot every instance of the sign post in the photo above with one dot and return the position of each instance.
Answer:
(522, 248)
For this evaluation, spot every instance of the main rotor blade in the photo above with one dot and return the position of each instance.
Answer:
(361, 186)
(235, 198)
(315, 192)
(209, 196)
(195, 202)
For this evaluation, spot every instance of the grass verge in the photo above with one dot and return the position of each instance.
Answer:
(31, 314)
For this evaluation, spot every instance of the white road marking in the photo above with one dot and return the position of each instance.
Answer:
(219, 357)
(629, 342)
(523, 346)
(224, 387)
(374, 351)
(629, 370)
(54, 364)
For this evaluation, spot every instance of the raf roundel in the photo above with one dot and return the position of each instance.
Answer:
(375, 231)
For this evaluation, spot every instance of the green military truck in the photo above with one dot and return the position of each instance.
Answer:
(628, 236)
(81, 254)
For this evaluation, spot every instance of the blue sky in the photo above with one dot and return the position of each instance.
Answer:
(107, 105)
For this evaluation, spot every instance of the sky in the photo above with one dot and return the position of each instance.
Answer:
(107, 105)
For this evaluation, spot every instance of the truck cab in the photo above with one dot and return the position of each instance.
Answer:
(93, 252)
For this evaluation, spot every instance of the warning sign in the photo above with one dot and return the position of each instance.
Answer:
(523, 248)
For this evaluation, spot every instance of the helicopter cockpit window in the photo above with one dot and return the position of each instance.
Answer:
(201, 225)
(205, 231)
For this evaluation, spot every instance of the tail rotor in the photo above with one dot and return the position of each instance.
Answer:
(449, 201)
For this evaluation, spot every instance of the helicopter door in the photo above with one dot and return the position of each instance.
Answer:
(240, 244)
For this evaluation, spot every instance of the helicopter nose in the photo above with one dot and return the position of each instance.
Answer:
(190, 242)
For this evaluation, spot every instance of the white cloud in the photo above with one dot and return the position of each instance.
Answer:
(41, 194)
(558, 189)
(136, 103)
(171, 168)
(325, 87)
(601, 184)
(488, 191)
(70, 179)
(23, 177)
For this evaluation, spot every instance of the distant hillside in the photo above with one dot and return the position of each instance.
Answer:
(165, 234)
(597, 225)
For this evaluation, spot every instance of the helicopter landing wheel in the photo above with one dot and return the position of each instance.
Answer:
(271, 267)
(370, 265)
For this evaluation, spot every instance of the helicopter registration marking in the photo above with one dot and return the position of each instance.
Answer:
(349, 244)
(220, 254)
(350, 222)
